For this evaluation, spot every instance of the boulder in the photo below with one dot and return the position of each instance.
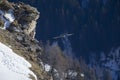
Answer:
(27, 18)
(30, 27)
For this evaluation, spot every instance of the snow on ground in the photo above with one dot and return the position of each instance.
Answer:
(82, 75)
(112, 65)
(72, 73)
(12, 66)
(46, 67)
(7, 17)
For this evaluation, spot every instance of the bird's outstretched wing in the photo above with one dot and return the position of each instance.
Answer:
(62, 36)
(69, 34)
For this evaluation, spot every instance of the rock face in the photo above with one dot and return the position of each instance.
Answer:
(19, 33)
(25, 17)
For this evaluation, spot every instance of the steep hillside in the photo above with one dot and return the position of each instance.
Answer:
(16, 66)
(19, 34)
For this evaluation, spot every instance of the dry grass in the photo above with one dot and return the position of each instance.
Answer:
(4, 5)
(1, 23)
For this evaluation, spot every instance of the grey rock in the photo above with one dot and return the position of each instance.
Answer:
(19, 38)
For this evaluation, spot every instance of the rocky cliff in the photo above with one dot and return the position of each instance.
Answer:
(17, 30)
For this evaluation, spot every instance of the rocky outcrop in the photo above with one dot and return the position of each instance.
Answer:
(19, 34)
(25, 17)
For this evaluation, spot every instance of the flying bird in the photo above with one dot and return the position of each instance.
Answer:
(63, 36)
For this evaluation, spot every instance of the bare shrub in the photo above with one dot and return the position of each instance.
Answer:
(54, 56)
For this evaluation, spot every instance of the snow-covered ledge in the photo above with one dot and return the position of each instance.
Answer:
(7, 17)
(12, 66)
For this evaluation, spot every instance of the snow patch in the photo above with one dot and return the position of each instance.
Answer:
(47, 67)
(82, 75)
(7, 17)
(12, 66)
(72, 73)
